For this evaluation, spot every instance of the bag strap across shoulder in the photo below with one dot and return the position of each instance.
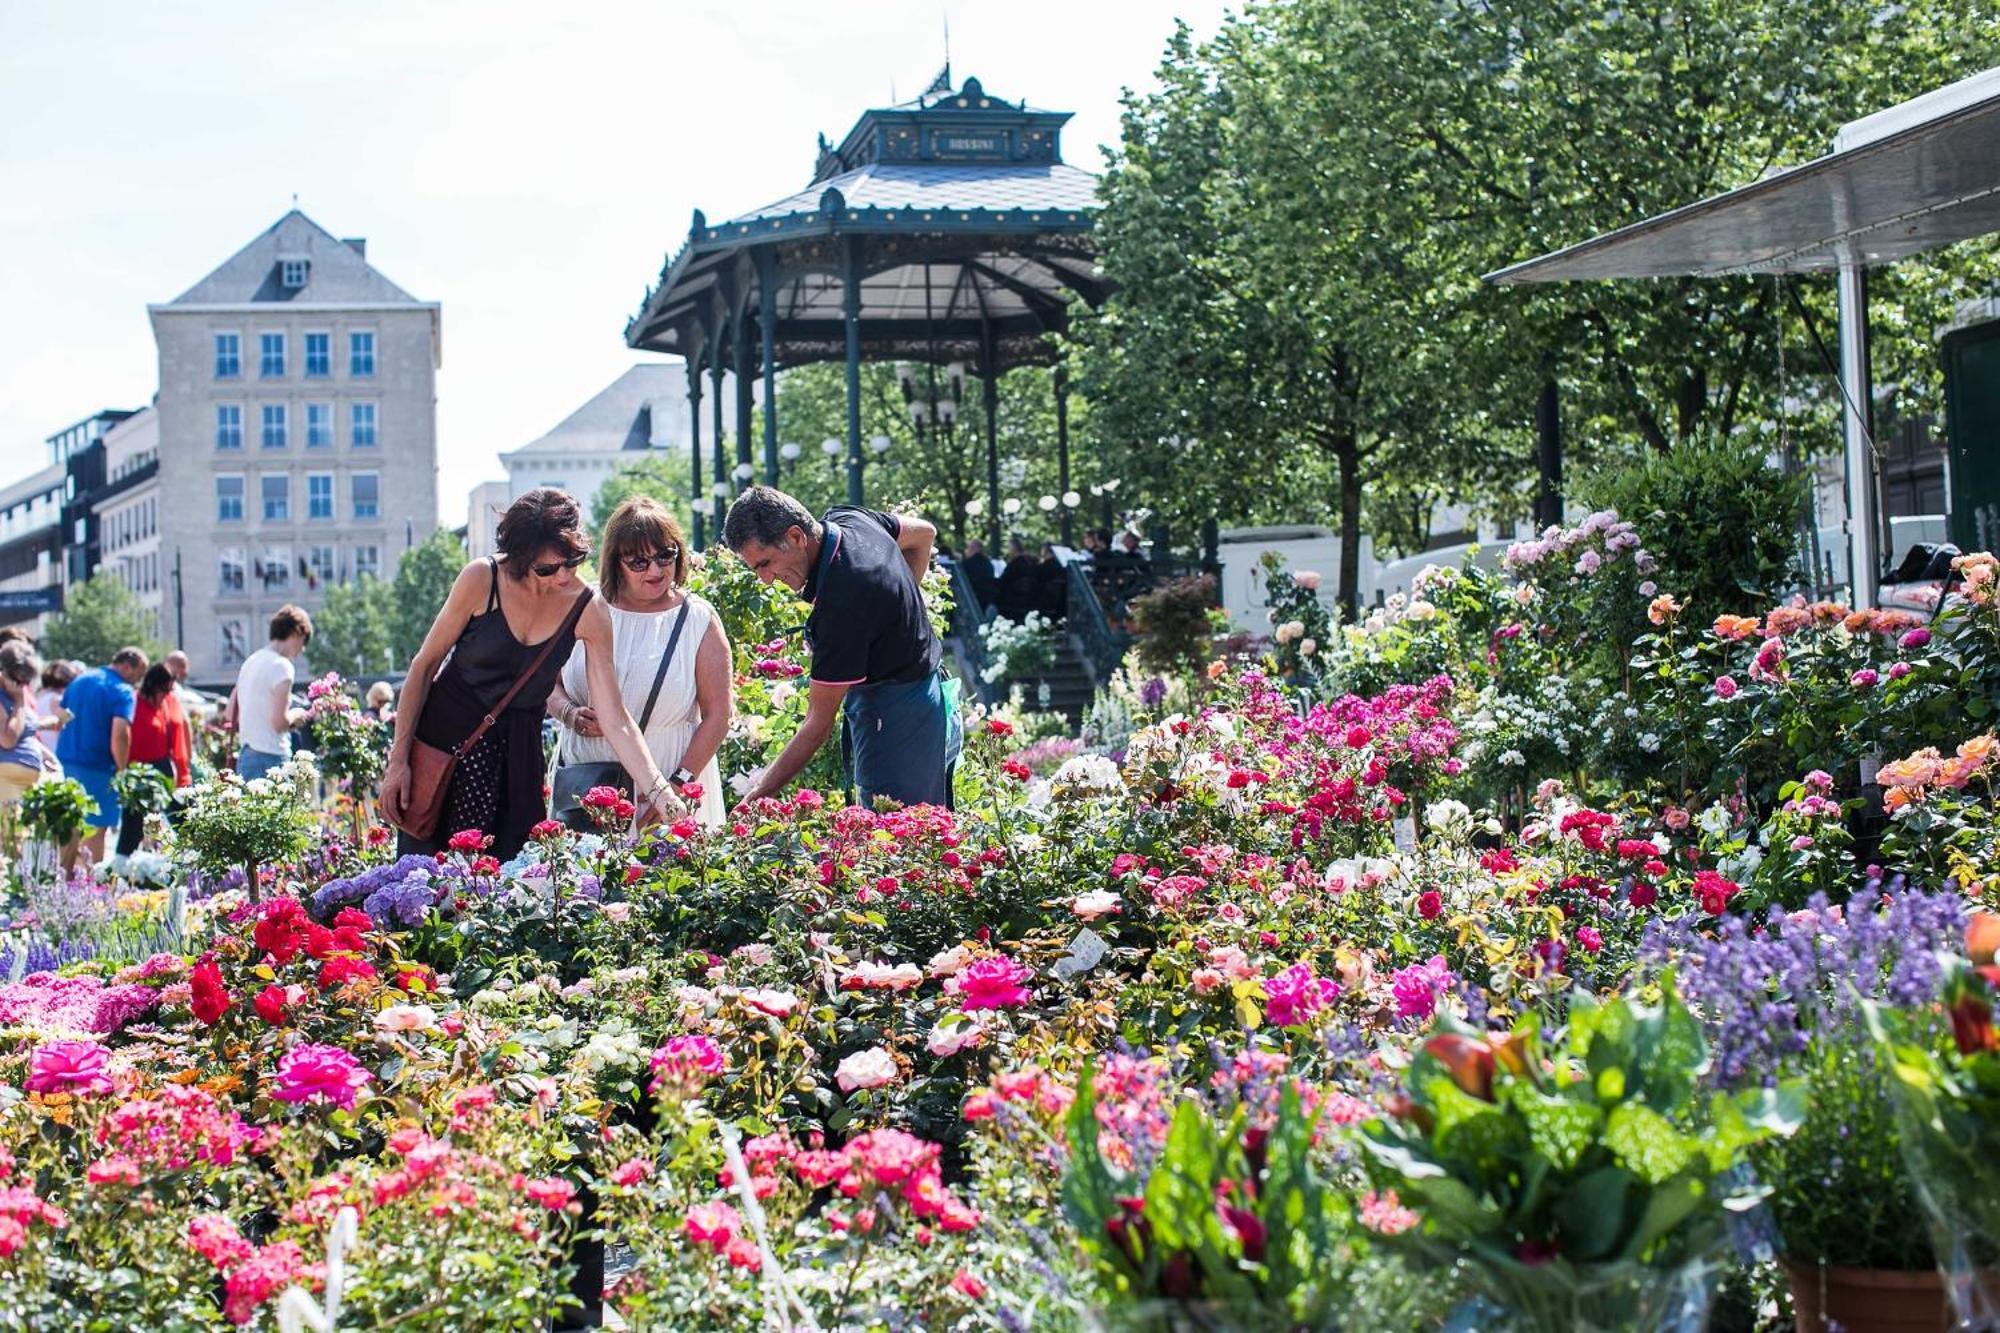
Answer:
(666, 660)
(521, 681)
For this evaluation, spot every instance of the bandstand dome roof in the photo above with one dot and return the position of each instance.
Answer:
(963, 221)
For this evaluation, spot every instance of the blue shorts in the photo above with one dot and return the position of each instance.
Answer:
(97, 782)
(256, 763)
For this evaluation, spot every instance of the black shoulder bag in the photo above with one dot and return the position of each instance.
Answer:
(574, 781)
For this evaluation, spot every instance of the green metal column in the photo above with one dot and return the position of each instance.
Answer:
(694, 450)
(746, 406)
(721, 464)
(988, 373)
(767, 323)
(850, 272)
(1060, 379)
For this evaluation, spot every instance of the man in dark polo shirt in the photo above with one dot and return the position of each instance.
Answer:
(874, 655)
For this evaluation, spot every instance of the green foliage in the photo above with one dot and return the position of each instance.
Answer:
(423, 581)
(1721, 521)
(142, 788)
(98, 618)
(662, 476)
(56, 811)
(1178, 624)
(230, 824)
(1547, 1171)
(354, 631)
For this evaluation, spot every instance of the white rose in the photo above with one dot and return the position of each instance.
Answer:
(1096, 903)
(1307, 647)
(406, 1018)
(954, 1033)
(1307, 579)
(872, 1068)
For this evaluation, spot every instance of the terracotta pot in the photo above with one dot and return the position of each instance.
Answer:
(1867, 1300)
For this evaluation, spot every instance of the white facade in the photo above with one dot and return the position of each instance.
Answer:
(297, 419)
(31, 542)
(645, 410)
(129, 521)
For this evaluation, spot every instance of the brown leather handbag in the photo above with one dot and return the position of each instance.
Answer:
(431, 768)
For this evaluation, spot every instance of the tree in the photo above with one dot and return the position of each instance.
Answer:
(99, 617)
(423, 581)
(354, 630)
(663, 476)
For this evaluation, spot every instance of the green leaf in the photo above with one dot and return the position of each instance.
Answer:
(1646, 1142)
(1559, 1128)
(1590, 1214)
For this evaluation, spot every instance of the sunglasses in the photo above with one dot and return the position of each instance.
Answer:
(571, 563)
(665, 560)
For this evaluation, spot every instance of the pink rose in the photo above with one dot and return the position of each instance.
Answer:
(1725, 687)
(687, 1061)
(81, 1068)
(993, 983)
(311, 1071)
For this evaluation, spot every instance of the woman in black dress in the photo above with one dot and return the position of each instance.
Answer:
(500, 613)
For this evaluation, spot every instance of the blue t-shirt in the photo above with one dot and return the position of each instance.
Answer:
(93, 699)
(24, 752)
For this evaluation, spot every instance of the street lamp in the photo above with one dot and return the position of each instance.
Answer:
(1047, 504)
(790, 451)
(878, 445)
(743, 472)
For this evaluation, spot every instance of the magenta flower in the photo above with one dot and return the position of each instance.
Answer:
(1915, 638)
(81, 1068)
(1864, 679)
(1295, 995)
(1725, 687)
(1418, 987)
(311, 1071)
(686, 1061)
(993, 983)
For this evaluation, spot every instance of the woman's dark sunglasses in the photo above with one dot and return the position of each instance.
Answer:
(571, 563)
(665, 560)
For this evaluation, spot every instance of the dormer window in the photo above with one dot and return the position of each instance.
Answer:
(292, 273)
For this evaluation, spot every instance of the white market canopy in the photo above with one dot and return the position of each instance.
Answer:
(1917, 176)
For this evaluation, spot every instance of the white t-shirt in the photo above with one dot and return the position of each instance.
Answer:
(264, 674)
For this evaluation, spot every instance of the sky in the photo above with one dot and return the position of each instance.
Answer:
(527, 165)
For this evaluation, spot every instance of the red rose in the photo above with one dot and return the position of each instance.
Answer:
(997, 727)
(548, 828)
(353, 918)
(271, 1002)
(211, 997)
(469, 840)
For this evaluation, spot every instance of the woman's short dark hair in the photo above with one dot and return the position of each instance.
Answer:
(639, 526)
(58, 674)
(545, 519)
(157, 684)
(764, 514)
(290, 620)
(18, 661)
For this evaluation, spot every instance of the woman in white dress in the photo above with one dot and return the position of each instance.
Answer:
(643, 577)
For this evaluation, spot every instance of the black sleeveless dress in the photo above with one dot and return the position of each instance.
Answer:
(497, 787)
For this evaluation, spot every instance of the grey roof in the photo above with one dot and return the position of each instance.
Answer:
(32, 486)
(618, 416)
(941, 187)
(337, 273)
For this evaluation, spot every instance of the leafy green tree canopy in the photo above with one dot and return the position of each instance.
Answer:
(99, 617)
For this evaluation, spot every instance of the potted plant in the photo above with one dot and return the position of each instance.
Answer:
(1581, 1183)
(1781, 997)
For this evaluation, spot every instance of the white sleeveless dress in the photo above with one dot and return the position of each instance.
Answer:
(639, 639)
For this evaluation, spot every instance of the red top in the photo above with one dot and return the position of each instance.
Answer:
(159, 731)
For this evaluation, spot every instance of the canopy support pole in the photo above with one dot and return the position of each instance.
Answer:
(719, 488)
(990, 374)
(1863, 560)
(746, 402)
(1060, 379)
(1549, 453)
(767, 323)
(850, 276)
(694, 449)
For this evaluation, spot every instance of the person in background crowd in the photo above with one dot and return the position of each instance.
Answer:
(382, 701)
(979, 573)
(643, 579)
(56, 677)
(260, 707)
(474, 654)
(1017, 582)
(874, 655)
(159, 738)
(97, 742)
(1051, 585)
(21, 757)
(178, 666)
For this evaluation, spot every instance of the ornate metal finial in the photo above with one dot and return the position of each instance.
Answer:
(832, 203)
(699, 224)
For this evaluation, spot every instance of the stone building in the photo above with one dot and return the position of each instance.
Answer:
(297, 419)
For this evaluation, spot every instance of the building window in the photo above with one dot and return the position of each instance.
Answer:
(368, 561)
(319, 566)
(230, 572)
(319, 355)
(292, 273)
(275, 432)
(319, 425)
(361, 355)
(274, 571)
(235, 641)
(229, 497)
(228, 356)
(361, 423)
(277, 494)
(319, 495)
(228, 426)
(367, 495)
(271, 355)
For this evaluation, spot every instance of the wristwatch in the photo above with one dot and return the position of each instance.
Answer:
(680, 777)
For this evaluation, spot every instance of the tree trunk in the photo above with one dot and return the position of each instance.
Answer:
(1349, 456)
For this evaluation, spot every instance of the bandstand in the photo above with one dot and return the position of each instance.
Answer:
(944, 233)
